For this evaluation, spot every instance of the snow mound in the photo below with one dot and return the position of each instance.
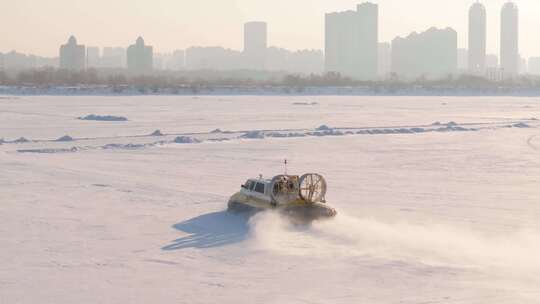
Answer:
(448, 124)
(415, 130)
(65, 138)
(103, 118)
(157, 133)
(218, 139)
(285, 135)
(186, 140)
(521, 125)
(453, 129)
(254, 135)
(329, 132)
(219, 131)
(323, 128)
(21, 140)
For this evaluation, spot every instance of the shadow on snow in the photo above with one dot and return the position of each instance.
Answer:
(211, 230)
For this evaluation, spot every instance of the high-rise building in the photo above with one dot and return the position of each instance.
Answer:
(368, 13)
(299, 62)
(255, 45)
(523, 65)
(462, 60)
(93, 57)
(113, 57)
(17, 61)
(169, 61)
(477, 38)
(534, 66)
(41, 62)
(339, 47)
(384, 59)
(277, 59)
(178, 60)
(492, 61)
(140, 57)
(306, 62)
(510, 40)
(159, 61)
(431, 54)
(72, 55)
(351, 42)
(212, 58)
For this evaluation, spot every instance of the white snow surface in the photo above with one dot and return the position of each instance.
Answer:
(438, 200)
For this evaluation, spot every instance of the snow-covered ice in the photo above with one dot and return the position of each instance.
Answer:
(438, 200)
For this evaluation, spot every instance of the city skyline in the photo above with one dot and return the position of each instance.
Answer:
(192, 25)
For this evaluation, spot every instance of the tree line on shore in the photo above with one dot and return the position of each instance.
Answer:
(171, 79)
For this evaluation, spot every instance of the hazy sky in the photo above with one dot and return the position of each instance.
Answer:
(40, 26)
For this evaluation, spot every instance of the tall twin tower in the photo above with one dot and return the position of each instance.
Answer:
(509, 52)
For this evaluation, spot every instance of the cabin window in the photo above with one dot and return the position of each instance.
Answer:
(251, 186)
(248, 185)
(259, 188)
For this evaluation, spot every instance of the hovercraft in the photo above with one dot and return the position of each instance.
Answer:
(301, 197)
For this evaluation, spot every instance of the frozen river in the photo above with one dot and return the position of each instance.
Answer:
(438, 200)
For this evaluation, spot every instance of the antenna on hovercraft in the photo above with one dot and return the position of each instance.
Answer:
(285, 163)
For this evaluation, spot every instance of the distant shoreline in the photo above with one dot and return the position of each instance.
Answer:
(264, 91)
